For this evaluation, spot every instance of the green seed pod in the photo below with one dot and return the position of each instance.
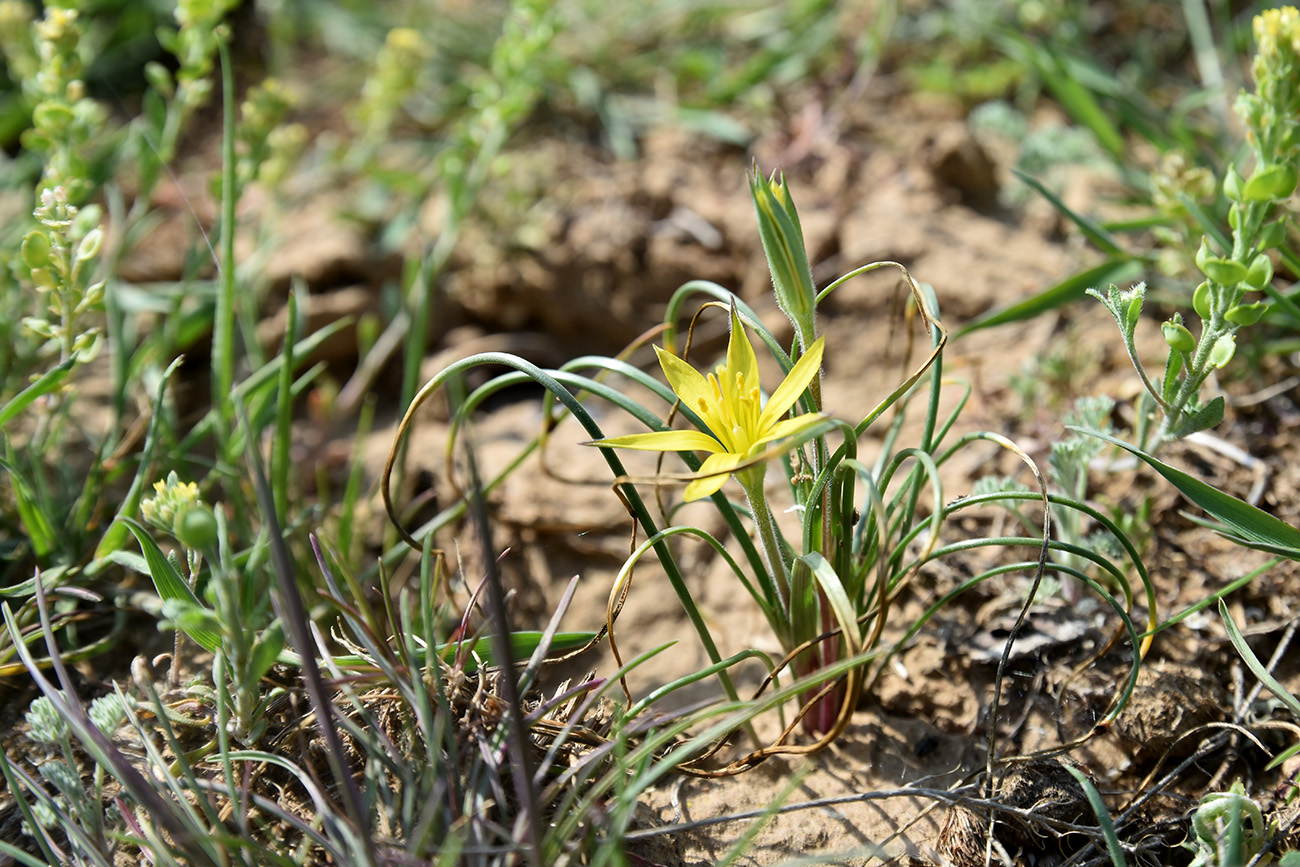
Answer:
(93, 298)
(1203, 253)
(36, 249)
(196, 528)
(1232, 184)
(1246, 314)
(1178, 337)
(1272, 235)
(39, 327)
(1201, 300)
(1270, 183)
(1224, 348)
(51, 117)
(90, 245)
(1260, 273)
(1225, 272)
(1234, 217)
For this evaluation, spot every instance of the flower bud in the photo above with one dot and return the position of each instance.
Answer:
(1134, 310)
(1232, 184)
(1250, 108)
(783, 244)
(159, 78)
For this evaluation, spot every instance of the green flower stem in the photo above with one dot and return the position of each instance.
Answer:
(1198, 370)
(752, 481)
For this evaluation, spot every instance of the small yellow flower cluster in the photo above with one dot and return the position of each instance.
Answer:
(178, 510)
(174, 497)
(1278, 31)
(267, 146)
(398, 67)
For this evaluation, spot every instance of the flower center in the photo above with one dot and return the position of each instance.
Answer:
(733, 412)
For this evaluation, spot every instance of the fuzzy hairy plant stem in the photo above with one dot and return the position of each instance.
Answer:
(752, 481)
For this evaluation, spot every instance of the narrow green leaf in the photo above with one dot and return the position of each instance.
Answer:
(168, 582)
(1252, 662)
(1067, 291)
(1250, 523)
(523, 644)
(1207, 223)
(1204, 418)
(832, 588)
(280, 447)
(1279, 760)
(1113, 846)
(266, 651)
(1092, 230)
(259, 379)
(48, 382)
(37, 524)
(1077, 100)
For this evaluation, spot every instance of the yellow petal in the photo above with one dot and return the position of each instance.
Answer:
(792, 426)
(663, 441)
(689, 383)
(721, 464)
(740, 355)
(793, 385)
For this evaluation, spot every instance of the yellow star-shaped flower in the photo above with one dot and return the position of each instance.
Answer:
(728, 402)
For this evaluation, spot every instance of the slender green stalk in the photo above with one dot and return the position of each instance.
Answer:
(779, 574)
(223, 323)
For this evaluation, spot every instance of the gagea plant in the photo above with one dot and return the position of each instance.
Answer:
(825, 546)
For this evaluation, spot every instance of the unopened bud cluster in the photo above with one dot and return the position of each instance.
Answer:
(176, 508)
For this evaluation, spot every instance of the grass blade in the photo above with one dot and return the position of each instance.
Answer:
(1251, 524)
(1067, 291)
(1252, 662)
(169, 584)
(49, 380)
(1093, 231)
(280, 461)
(1103, 817)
